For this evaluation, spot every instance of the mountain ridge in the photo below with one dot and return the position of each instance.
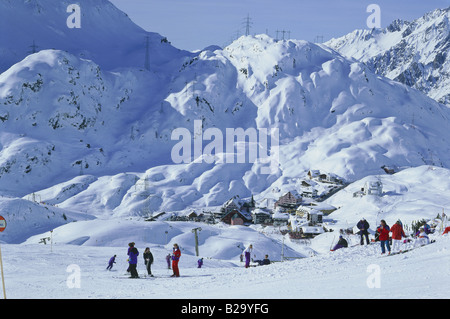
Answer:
(64, 116)
(414, 53)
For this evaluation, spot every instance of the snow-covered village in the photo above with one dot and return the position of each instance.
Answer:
(270, 167)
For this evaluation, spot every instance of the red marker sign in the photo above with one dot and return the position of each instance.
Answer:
(2, 224)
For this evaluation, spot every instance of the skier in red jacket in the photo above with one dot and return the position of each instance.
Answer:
(397, 235)
(175, 258)
(384, 230)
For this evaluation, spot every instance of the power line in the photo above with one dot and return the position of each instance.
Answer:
(33, 47)
(248, 23)
(318, 39)
(283, 32)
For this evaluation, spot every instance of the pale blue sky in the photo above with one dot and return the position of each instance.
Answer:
(195, 24)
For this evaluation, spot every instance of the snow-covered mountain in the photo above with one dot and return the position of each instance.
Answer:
(86, 154)
(414, 53)
(96, 135)
(107, 36)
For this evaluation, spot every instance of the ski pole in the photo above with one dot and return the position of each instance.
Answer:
(3, 277)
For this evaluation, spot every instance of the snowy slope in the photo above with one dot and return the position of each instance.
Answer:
(409, 195)
(346, 273)
(106, 36)
(414, 53)
(215, 241)
(27, 218)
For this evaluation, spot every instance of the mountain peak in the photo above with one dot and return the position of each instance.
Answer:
(107, 35)
(414, 53)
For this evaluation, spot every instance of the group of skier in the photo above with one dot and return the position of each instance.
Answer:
(383, 235)
(133, 253)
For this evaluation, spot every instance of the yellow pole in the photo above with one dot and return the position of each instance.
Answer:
(3, 277)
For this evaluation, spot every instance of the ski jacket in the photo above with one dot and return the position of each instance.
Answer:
(342, 242)
(148, 256)
(176, 255)
(248, 250)
(112, 260)
(384, 233)
(133, 254)
(363, 225)
(266, 261)
(397, 232)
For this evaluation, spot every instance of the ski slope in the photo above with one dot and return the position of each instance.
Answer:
(34, 271)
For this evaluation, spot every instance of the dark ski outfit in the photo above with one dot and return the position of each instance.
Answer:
(363, 227)
(111, 262)
(148, 260)
(168, 258)
(342, 243)
(132, 260)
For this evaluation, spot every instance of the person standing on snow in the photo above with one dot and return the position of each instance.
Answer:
(175, 259)
(112, 261)
(148, 259)
(247, 254)
(384, 230)
(133, 253)
(200, 263)
(397, 235)
(168, 259)
(363, 227)
(130, 246)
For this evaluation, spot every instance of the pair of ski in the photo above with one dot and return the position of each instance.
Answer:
(406, 250)
(140, 277)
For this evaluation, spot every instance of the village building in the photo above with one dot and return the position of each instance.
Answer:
(313, 174)
(370, 188)
(230, 205)
(261, 216)
(309, 193)
(290, 200)
(314, 217)
(280, 218)
(373, 188)
(236, 217)
(266, 203)
(311, 231)
(324, 178)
